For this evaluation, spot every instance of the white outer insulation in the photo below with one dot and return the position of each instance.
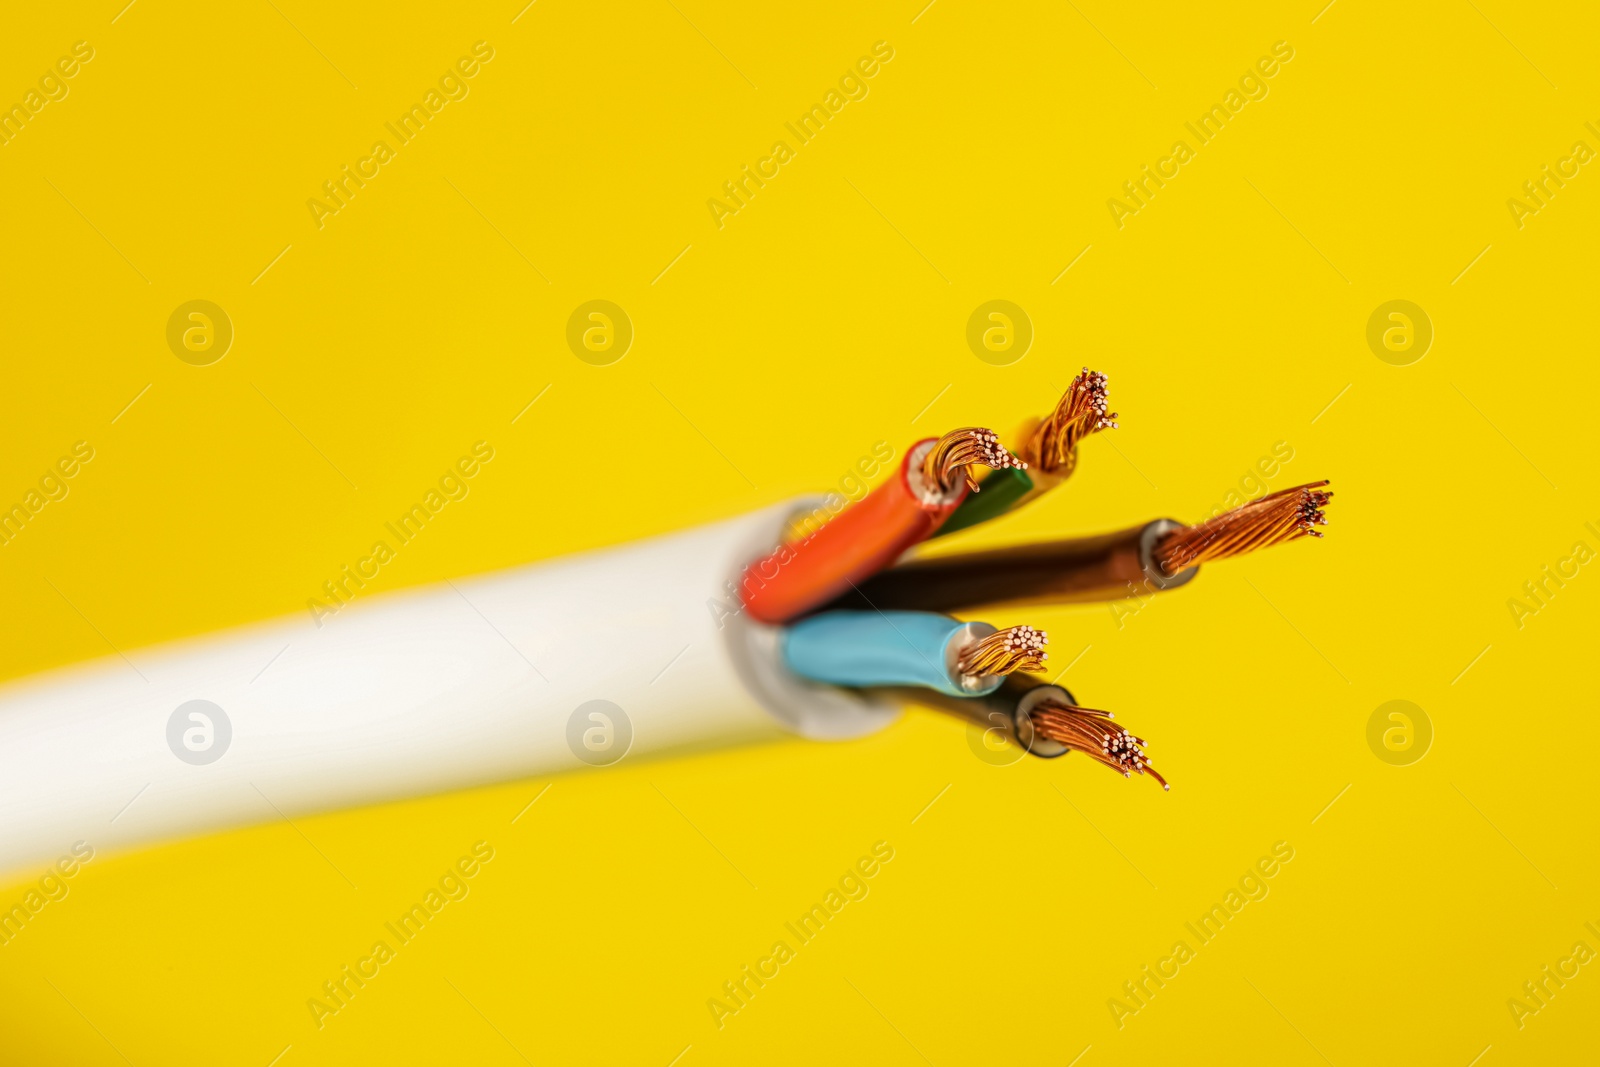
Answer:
(409, 693)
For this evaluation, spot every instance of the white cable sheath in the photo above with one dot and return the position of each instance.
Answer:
(409, 693)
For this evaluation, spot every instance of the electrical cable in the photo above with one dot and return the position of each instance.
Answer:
(899, 648)
(1095, 735)
(1049, 450)
(1159, 555)
(403, 694)
(1286, 515)
(1042, 719)
(546, 668)
(935, 476)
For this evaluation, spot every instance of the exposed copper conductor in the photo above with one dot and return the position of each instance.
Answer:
(1095, 735)
(1080, 412)
(1016, 648)
(955, 454)
(1286, 515)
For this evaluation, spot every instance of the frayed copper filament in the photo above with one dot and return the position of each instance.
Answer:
(1080, 412)
(953, 456)
(1016, 648)
(1286, 515)
(1095, 735)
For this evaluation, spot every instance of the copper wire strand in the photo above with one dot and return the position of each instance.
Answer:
(1080, 412)
(1016, 648)
(1093, 733)
(1277, 518)
(953, 456)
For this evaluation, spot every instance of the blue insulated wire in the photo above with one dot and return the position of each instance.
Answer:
(862, 648)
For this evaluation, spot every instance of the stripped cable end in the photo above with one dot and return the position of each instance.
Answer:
(1096, 736)
(1276, 518)
(1081, 411)
(1016, 648)
(953, 456)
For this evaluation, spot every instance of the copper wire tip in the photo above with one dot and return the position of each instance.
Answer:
(1016, 648)
(1287, 515)
(1096, 736)
(1081, 411)
(953, 456)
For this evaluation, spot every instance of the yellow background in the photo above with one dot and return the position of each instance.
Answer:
(826, 315)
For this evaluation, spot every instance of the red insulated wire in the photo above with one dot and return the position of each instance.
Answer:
(873, 533)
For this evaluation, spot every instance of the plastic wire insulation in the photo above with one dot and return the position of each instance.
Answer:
(997, 714)
(858, 543)
(489, 678)
(875, 648)
(1001, 492)
(1089, 569)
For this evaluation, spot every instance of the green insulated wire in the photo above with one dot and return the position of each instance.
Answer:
(999, 493)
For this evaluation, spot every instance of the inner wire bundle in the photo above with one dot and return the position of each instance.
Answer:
(956, 453)
(1020, 648)
(1048, 454)
(860, 614)
(1095, 735)
(1286, 515)
(1053, 447)
(1044, 720)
